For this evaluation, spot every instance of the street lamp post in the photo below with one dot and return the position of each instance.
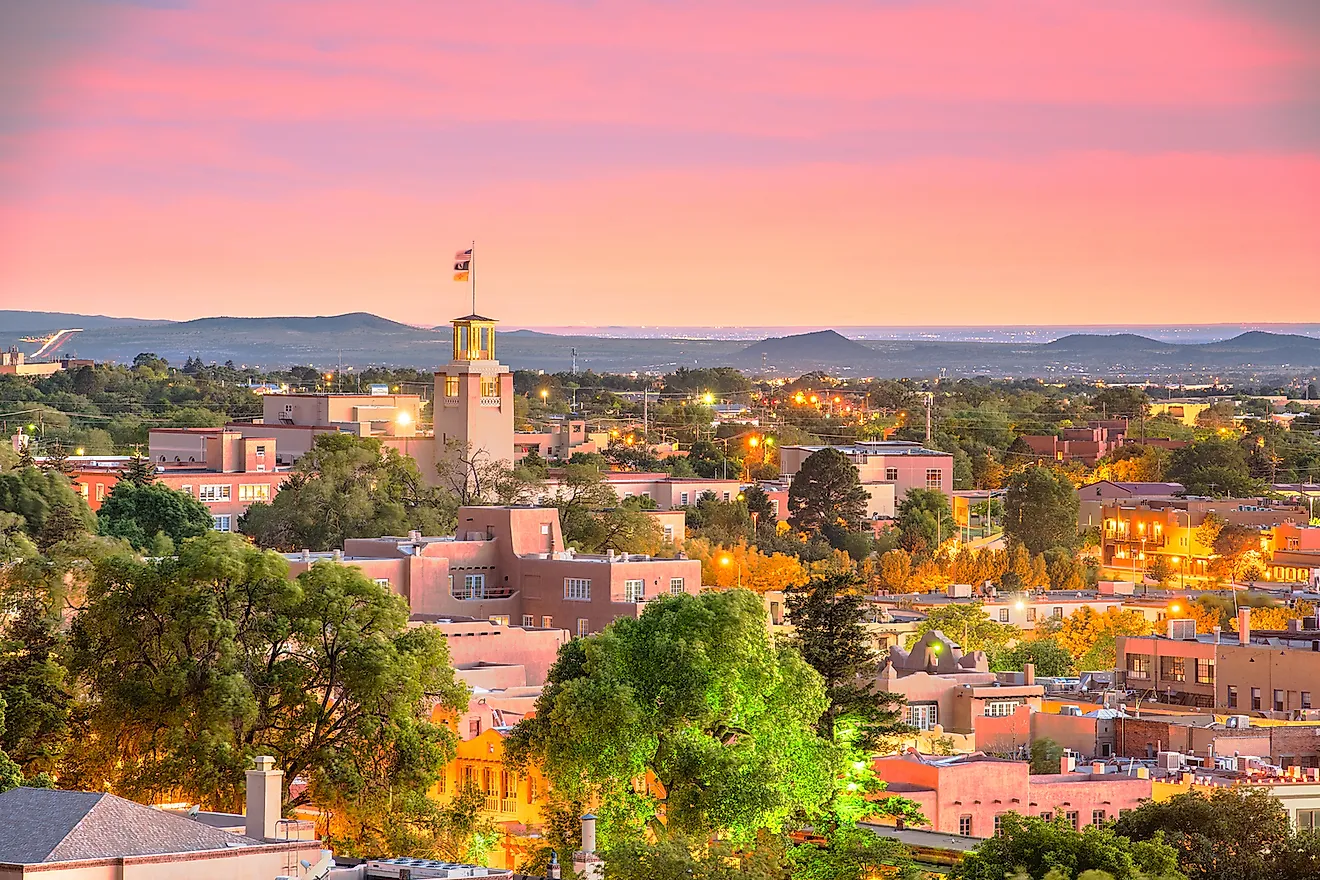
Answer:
(726, 561)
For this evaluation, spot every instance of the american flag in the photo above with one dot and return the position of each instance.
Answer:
(463, 255)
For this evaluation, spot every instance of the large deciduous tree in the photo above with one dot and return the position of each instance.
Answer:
(693, 696)
(37, 495)
(925, 521)
(1212, 466)
(195, 664)
(137, 513)
(1040, 509)
(826, 492)
(1030, 847)
(348, 487)
(969, 627)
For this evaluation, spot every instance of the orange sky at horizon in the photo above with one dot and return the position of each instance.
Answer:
(886, 163)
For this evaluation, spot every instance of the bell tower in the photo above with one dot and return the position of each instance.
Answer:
(474, 393)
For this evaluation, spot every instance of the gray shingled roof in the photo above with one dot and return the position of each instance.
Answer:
(44, 825)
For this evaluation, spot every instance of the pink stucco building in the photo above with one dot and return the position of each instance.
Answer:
(964, 794)
(667, 491)
(509, 564)
(904, 464)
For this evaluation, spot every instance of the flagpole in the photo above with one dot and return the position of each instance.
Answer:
(472, 275)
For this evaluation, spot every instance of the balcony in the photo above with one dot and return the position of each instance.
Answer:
(497, 804)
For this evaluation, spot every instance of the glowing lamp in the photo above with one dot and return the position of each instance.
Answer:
(403, 419)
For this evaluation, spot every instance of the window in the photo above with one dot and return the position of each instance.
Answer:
(221, 522)
(528, 620)
(934, 478)
(1097, 817)
(774, 507)
(1001, 708)
(1278, 700)
(923, 716)
(1255, 699)
(186, 489)
(1306, 699)
(682, 499)
(1106, 750)
(999, 823)
(676, 586)
(545, 528)
(261, 452)
(1031, 614)
(82, 488)
(1308, 820)
(547, 622)
(100, 491)
(474, 728)
(1205, 671)
(1138, 666)
(891, 475)
(1003, 615)
(726, 496)
(474, 587)
(1074, 819)
(669, 534)
(254, 492)
(634, 591)
(214, 492)
(1047, 815)
(583, 627)
(531, 789)
(490, 386)
(451, 386)
(577, 588)
(382, 582)
(965, 826)
(1057, 612)
(1232, 696)
(1173, 668)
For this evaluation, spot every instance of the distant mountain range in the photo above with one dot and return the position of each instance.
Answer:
(361, 338)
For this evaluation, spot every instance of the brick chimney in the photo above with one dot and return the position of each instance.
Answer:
(1244, 626)
(265, 788)
(1028, 673)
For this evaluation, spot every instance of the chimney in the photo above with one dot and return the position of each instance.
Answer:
(588, 833)
(337, 555)
(1067, 763)
(307, 556)
(414, 536)
(1028, 673)
(265, 786)
(1219, 630)
(1244, 626)
(1098, 768)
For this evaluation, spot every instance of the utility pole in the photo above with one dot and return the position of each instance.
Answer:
(930, 400)
(573, 351)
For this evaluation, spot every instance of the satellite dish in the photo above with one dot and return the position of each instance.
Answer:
(194, 810)
(306, 864)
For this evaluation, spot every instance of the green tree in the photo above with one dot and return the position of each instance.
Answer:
(826, 492)
(36, 494)
(1034, 848)
(829, 631)
(680, 858)
(1040, 509)
(1048, 656)
(137, 513)
(193, 665)
(1113, 403)
(348, 487)
(57, 459)
(693, 693)
(1046, 756)
(1222, 832)
(1212, 467)
(139, 469)
(33, 684)
(925, 520)
(969, 627)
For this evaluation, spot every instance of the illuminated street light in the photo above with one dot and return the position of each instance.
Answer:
(403, 419)
(753, 441)
(544, 394)
(708, 398)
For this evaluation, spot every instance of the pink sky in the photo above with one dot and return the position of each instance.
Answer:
(679, 162)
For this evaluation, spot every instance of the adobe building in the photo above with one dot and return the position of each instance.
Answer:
(1262, 673)
(904, 464)
(1093, 497)
(667, 491)
(510, 565)
(223, 469)
(966, 794)
(949, 690)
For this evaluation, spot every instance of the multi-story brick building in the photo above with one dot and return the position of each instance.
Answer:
(1273, 674)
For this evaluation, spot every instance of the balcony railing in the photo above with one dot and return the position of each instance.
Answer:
(497, 804)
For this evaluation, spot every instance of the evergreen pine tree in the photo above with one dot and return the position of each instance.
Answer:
(140, 470)
(62, 524)
(58, 459)
(829, 631)
(25, 459)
